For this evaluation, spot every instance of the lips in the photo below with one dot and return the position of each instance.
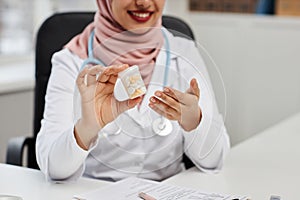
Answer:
(140, 16)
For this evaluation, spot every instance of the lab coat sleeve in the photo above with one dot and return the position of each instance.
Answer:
(208, 144)
(58, 155)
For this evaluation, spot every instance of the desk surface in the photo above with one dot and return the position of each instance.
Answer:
(264, 165)
(31, 185)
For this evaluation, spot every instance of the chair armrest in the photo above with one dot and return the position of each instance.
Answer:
(15, 149)
(187, 161)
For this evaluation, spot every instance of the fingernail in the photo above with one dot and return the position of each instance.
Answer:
(166, 89)
(195, 81)
(158, 94)
(152, 99)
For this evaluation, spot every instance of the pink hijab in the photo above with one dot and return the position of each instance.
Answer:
(114, 45)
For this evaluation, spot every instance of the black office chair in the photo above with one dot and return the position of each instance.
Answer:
(54, 33)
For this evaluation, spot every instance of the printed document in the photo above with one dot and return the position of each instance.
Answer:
(128, 189)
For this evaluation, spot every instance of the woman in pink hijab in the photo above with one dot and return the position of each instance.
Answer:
(114, 139)
(139, 45)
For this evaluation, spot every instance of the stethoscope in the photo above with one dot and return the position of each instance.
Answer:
(161, 126)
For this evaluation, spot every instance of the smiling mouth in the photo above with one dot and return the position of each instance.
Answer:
(140, 16)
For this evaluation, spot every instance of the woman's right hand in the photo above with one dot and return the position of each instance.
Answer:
(98, 104)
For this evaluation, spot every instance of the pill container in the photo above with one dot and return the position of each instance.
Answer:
(132, 81)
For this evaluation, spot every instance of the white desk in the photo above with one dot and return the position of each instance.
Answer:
(267, 164)
(31, 185)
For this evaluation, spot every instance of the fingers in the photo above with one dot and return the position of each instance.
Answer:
(128, 104)
(175, 94)
(181, 97)
(133, 102)
(93, 72)
(115, 69)
(90, 75)
(171, 103)
(168, 100)
(110, 73)
(162, 112)
(194, 88)
(80, 81)
(164, 109)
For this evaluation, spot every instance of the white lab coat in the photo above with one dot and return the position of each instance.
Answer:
(128, 146)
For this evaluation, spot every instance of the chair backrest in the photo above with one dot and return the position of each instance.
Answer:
(54, 33)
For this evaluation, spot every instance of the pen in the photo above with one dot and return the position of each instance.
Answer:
(146, 196)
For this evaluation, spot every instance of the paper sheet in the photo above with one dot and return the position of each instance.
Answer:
(128, 189)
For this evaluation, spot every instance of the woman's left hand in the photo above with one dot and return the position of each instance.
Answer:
(182, 107)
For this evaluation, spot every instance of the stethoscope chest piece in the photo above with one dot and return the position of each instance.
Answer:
(162, 126)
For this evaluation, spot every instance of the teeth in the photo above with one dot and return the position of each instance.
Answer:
(141, 15)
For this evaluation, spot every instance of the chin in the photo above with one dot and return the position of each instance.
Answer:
(139, 30)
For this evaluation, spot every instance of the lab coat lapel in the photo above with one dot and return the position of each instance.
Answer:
(157, 78)
(142, 115)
